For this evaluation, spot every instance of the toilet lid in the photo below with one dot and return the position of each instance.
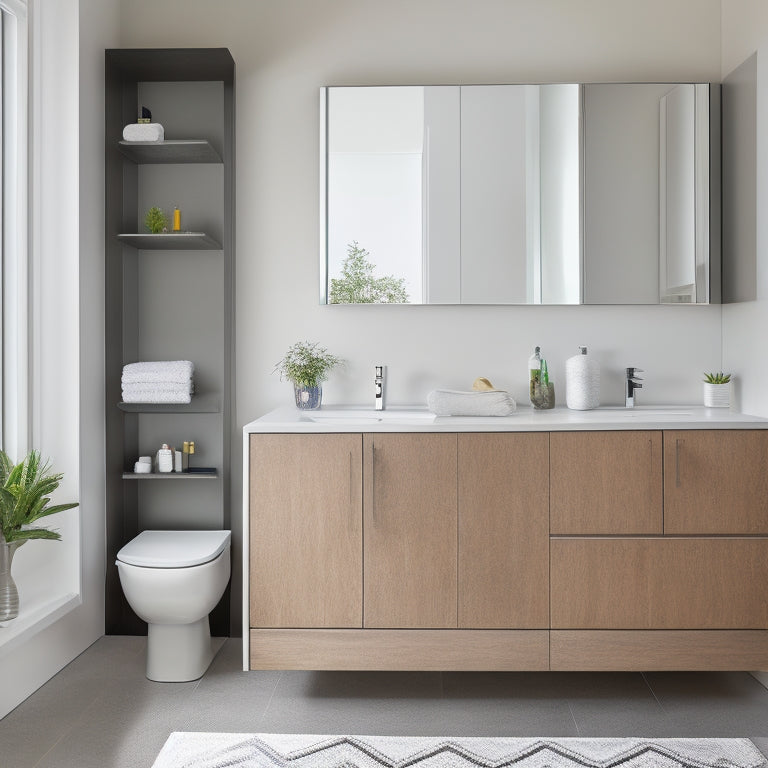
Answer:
(174, 549)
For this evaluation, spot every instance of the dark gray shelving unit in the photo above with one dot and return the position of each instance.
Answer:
(169, 296)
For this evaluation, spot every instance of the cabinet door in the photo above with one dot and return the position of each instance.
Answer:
(656, 583)
(306, 531)
(716, 481)
(606, 482)
(410, 530)
(503, 531)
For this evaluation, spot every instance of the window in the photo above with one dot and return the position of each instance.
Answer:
(14, 418)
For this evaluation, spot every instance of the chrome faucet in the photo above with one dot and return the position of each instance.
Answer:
(630, 385)
(379, 383)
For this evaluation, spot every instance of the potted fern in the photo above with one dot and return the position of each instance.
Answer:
(307, 365)
(717, 390)
(25, 490)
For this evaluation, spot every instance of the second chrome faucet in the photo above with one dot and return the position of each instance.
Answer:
(631, 383)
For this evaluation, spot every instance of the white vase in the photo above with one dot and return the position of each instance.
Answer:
(717, 395)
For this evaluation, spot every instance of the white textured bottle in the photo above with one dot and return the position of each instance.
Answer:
(582, 382)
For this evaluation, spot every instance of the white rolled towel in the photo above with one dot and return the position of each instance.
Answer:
(158, 386)
(150, 395)
(143, 132)
(168, 371)
(451, 402)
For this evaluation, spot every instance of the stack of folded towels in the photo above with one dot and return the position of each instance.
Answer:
(484, 400)
(164, 381)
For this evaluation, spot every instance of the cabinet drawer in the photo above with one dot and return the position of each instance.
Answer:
(606, 483)
(655, 583)
(716, 481)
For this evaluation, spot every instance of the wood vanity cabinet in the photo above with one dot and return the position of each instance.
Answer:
(306, 531)
(587, 550)
(606, 483)
(716, 481)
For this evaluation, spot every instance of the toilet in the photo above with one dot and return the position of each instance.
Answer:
(173, 580)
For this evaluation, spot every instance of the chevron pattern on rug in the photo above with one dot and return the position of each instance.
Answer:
(242, 750)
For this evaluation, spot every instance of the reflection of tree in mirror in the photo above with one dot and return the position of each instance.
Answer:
(358, 284)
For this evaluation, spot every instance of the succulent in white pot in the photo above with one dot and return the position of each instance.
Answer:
(717, 390)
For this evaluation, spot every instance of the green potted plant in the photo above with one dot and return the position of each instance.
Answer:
(25, 490)
(307, 365)
(156, 221)
(717, 390)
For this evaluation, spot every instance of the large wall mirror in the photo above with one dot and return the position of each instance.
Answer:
(520, 194)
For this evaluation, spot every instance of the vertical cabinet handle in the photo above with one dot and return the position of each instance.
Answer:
(373, 481)
(351, 478)
(677, 462)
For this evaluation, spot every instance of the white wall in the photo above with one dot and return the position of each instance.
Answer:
(745, 30)
(285, 51)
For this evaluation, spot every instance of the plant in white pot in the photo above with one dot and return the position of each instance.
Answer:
(307, 365)
(25, 490)
(717, 390)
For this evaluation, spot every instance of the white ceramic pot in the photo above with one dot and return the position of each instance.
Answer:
(717, 395)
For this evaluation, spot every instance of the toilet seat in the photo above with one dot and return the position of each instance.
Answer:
(174, 549)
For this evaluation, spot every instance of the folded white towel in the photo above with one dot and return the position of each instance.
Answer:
(158, 386)
(143, 132)
(450, 402)
(149, 395)
(169, 371)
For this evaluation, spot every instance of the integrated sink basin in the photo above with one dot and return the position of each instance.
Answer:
(369, 416)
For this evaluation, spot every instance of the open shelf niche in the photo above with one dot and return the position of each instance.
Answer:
(175, 305)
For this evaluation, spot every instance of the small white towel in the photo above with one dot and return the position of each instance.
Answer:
(158, 386)
(450, 402)
(143, 132)
(168, 371)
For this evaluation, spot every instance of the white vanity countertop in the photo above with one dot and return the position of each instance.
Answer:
(334, 418)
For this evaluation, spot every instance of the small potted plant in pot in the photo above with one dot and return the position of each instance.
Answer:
(24, 499)
(307, 365)
(717, 390)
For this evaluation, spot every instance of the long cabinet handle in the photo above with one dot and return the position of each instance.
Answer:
(351, 478)
(373, 481)
(677, 462)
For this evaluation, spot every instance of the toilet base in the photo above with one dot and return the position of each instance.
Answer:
(178, 653)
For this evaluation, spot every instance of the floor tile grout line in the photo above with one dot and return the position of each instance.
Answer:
(653, 693)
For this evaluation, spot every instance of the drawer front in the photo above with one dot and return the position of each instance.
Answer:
(716, 482)
(655, 583)
(606, 483)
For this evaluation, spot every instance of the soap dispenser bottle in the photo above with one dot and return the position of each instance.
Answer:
(582, 382)
(534, 374)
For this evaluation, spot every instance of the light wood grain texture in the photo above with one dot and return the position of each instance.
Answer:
(692, 650)
(306, 531)
(656, 583)
(606, 483)
(503, 531)
(410, 514)
(716, 481)
(413, 649)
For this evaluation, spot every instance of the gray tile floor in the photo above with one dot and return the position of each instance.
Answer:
(100, 711)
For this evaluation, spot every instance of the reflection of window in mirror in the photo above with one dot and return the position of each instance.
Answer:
(375, 152)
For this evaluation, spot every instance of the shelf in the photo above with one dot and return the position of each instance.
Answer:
(171, 476)
(200, 404)
(170, 151)
(171, 241)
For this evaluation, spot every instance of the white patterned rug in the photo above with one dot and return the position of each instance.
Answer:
(261, 750)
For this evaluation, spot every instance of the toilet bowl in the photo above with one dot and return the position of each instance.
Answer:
(173, 580)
